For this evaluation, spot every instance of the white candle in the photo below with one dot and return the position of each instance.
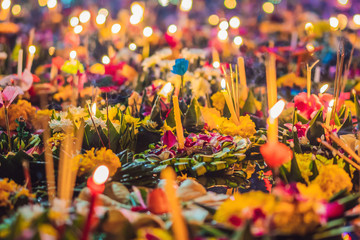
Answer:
(20, 62)
(317, 74)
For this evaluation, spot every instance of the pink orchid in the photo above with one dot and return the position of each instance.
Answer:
(9, 94)
(300, 128)
(25, 82)
(307, 106)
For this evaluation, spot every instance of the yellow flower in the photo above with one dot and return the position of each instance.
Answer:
(303, 161)
(153, 233)
(351, 106)
(45, 112)
(218, 101)
(22, 109)
(24, 192)
(243, 202)
(64, 93)
(211, 117)
(97, 68)
(48, 230)
(313, 191)
(245, 129)
(91, 159)
(333, 179)
(56, 139)
(300, 218)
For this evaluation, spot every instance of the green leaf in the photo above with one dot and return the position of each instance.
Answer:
(114, 136)
(347, 126)
(357, 107)
(297, 147)
(333, 233)
(156, 112)
(315, 131)
(170, 120)
(314, 170)
(284, 173)
(250, 106)
(193, 120)
(302, 119)
(295, 173)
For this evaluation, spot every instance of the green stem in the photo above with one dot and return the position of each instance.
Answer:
(181, 86)
(7, 127)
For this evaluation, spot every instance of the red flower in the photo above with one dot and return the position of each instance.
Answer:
(275, 154)
(235, 221)
(307, 106)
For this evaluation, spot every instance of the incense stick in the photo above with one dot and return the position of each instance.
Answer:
(331, 148)
(339, 142)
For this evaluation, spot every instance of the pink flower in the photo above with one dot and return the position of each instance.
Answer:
(25, 82)
(300, 128)
(9, 94)
(169, 139)
(307, 106)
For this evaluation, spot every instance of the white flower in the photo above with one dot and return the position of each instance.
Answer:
(163, 53)
(193, 53)
(77, 112)
(29, 212)
(166, 64)
(200, 86)
(60, 125)
(98, 122)
(150, 62)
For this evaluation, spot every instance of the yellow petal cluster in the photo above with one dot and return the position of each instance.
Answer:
(88, 161)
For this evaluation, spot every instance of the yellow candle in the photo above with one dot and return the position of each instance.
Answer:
(179, 127)
(242, 74)
(178, 224)
(32, 50)
(274, 113)
(229, 102)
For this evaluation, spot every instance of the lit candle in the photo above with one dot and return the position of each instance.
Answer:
(32, 50)
(178, 224)
(179, 127)
(215, 58)
(274, 113)
(271, 78)
(229, 102)
(323, 89)
(20, 62)
(96, 184)
(328, 113)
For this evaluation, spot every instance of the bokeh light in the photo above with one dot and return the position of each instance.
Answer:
(16, 9)
(213, 20)
(115, 28)
(172, 28)
(132, 46)
(147, 31)
(84, 16)
(238, 40)
(230, 4)
(268, 7)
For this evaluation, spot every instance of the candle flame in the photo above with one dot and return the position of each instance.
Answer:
(93, 109)
(32, 49)
(223, 84)
(331, 103)
(101, 174)
(324, 88)
(276, 110)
